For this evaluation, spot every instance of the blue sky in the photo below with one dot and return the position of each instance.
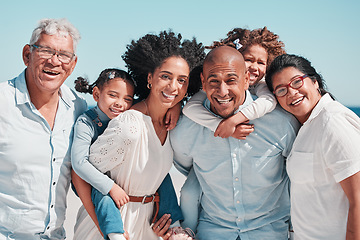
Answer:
(325, 32)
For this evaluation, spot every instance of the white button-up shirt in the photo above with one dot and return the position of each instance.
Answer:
(325, 152)
(34, 163)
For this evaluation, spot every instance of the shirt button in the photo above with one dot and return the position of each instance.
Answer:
(53, 159)
(54, 183)
(51, 206)
(48, 228)
(234, 155)
(236, 179)
(237, 201)
(239, 219)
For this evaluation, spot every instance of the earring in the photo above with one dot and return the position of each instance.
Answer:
(186, 95)
(149, 86)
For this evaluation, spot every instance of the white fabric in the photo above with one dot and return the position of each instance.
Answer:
(325, 152)
(132, 153)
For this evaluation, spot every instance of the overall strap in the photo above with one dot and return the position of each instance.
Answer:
(97, 123)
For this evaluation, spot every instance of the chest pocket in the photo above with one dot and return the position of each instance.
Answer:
(300, 167)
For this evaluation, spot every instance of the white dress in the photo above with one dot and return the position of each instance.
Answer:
(130, 151)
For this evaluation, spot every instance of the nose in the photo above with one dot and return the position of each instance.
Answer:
(55, 60)
(223, 89)
(173, 84)
(291, 91)
(120, 104)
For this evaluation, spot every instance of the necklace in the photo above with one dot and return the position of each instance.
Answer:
(147, 113)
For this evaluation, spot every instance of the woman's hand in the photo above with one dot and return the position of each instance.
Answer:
(161, 227)
(172, 116)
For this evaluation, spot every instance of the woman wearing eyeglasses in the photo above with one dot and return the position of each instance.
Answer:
(324, 163)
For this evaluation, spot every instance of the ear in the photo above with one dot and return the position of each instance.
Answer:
(26, 54)
(96, 93)
(246, 80)
(149, 78)
(203, 81)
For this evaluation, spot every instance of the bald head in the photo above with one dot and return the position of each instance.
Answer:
(225, 54)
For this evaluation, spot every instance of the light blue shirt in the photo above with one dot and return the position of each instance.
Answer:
(244, 182)
(84, 132)
(35, 163)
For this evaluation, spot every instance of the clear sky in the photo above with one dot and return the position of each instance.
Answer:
(324, 31)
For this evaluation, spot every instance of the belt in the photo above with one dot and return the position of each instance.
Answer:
(148, 199)
(145, 199)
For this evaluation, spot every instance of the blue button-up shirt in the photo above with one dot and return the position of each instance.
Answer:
(244, 182)
(34, 163)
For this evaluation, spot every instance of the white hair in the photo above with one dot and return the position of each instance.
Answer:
(55, 26)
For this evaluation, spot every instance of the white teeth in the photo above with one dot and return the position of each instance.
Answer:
(51, 72)
(297, 101)
(114, 111)
(169, 96)
(224, 101)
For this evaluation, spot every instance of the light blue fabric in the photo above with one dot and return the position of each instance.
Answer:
(84, 134)
(35, 163)
(244, 182)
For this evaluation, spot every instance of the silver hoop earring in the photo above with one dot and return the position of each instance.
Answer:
(149, 86)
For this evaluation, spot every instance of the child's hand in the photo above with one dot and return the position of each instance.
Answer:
(119, 195)
(243, 130)
(226, 128)
(172, 116)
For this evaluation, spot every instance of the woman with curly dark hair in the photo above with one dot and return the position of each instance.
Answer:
(258, 47)
(135, 149)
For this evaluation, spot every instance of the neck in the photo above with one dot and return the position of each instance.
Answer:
(45, 103)
(155, 111)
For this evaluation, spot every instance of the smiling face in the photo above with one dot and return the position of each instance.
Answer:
(224, 80)
(255, 57)
(169, 82)
(300, 102)
(114, 97)
(45, 76)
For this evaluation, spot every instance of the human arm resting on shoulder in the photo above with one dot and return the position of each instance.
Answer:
(265, 103)
(351, 188)
(172, 116)
(195, 110)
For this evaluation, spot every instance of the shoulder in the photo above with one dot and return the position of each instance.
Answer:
(335, 117)
(186, 129)
(73, 99)
(279, 118)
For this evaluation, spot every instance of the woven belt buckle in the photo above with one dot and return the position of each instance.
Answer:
(144, 198)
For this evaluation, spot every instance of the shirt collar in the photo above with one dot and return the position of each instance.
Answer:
(22, 94)
(324, 100)
(248, 100)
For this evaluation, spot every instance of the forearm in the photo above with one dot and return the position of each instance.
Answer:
(353, 223)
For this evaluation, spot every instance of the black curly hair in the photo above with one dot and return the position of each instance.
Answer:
(261, 36)
(83, 85)
(150, 51)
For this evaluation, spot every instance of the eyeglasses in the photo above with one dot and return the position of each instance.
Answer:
(296, 83)
(47, 53)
